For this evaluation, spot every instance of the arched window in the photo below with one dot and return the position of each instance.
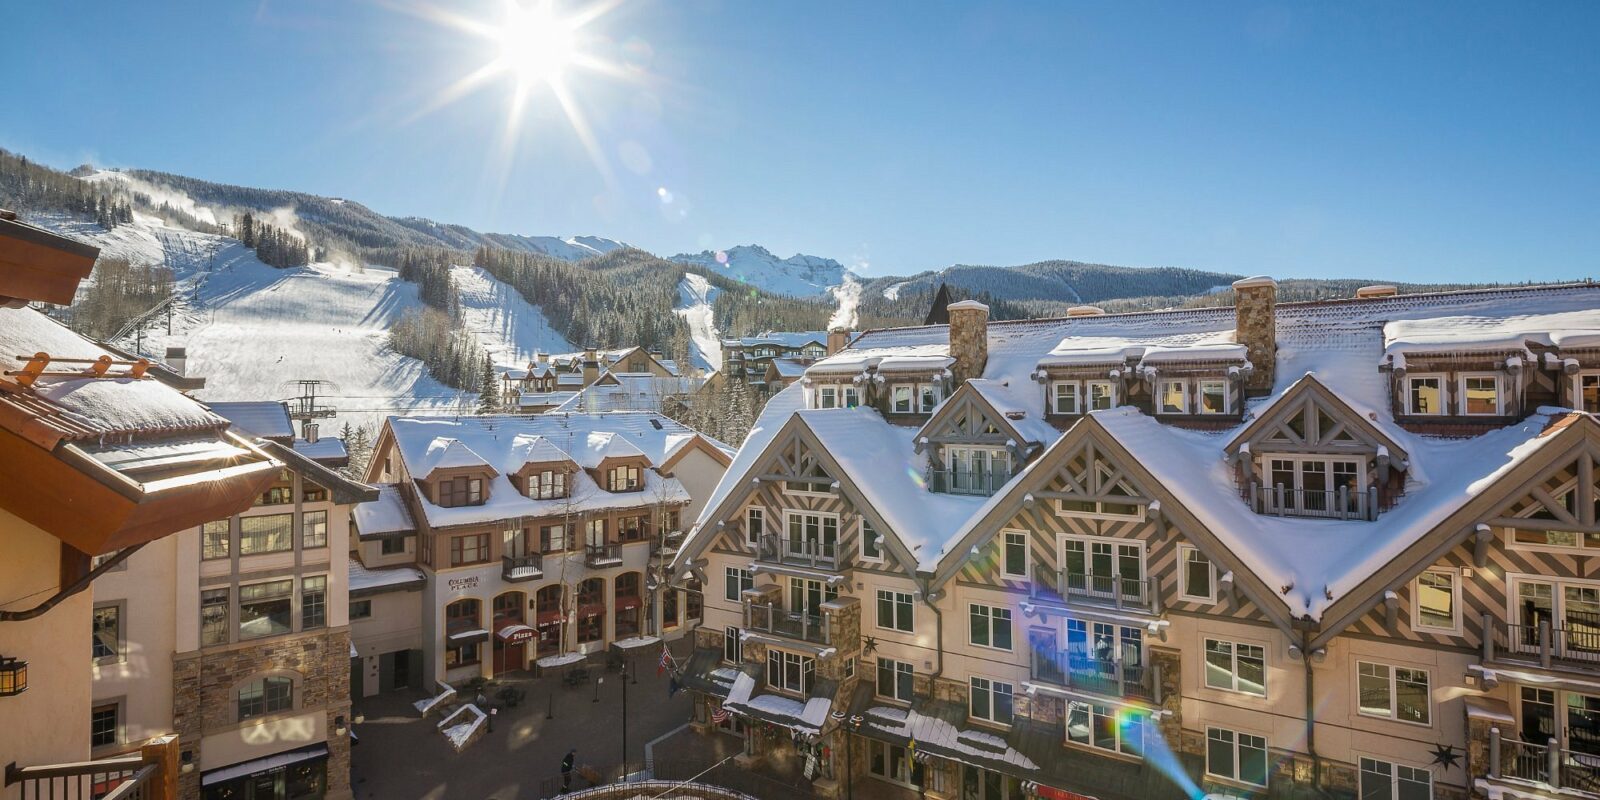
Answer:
(264, 695)
(591, 610)
(508, 609)
(463, 632)
(628, 602)
(549, 617)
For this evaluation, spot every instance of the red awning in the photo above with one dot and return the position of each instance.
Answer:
(515, 633)
(551, 617)
(592, 610)
(625, 603)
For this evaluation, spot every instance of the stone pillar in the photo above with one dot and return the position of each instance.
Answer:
(335, 667)
(969, 339)
(187, 709)
(1255, 300)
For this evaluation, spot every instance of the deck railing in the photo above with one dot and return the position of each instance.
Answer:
(602, 555)
(805, 627)
(968, 481)
(522, 568)
(813, 553)
(138, 776)
(1109, 678)
(1561, 768)
(1114, 591)
(1574, 641)
(1341, 503)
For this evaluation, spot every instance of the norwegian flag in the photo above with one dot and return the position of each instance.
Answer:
(665, 662)
(719, 716)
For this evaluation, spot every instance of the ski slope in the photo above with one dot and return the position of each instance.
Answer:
(506, 325)
(695, 296)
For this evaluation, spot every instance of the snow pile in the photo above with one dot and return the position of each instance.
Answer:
(128, 404)
(427, 705)
(463, 725)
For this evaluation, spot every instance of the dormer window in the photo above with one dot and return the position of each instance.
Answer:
(461, 492)
(1425, 395)
(547, 485)
(918, 398)
(1174, 397)
(1480, 395)
(838, 396)
(1064, 397)
(1213, 396)
(1586, 392)
(974, 470)
(1316, 486)
(622, 479)
(1077, 397)
(1100, 395)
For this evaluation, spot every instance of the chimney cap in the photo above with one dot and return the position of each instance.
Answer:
(1254, 281)
(1378, 290)
(175, 352)
(967, 305)
(1085, 311)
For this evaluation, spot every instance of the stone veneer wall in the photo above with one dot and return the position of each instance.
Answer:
(969, 341)
(203, 683)
(1256, 327)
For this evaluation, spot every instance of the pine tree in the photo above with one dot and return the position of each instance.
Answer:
(488, 392)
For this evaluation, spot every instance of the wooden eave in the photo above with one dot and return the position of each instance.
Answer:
(40, 266)
(963, 395)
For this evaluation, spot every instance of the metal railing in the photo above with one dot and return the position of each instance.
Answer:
(1110, 678)
(1562, 768)
(776, 620)
(602, 555)
(122, 778)
(666, 544)
(776, 549)
(967, 481)
(1114, 591)
(1574, 641)
(1339, 503)
(522, 568)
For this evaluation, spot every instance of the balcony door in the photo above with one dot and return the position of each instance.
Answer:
(976, 470)
(807, 596)
(813, 535)
(1572, 611)
(1103, 568)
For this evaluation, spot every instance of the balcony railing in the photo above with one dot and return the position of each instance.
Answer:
(123, 778)
(1341, 503)
(1106, 678)
(1114, 591)
(968, 481)
(1574, 641)
(798, 552)
(666, 545)
(522, 568)
(1549, 763)
(602, 555)
(791, 625)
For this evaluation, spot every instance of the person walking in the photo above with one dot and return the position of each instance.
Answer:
(566, 770)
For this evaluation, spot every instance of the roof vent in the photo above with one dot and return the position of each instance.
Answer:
(1380, 290)
(1085, 311)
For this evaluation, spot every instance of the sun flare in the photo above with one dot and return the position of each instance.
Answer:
(536, 44)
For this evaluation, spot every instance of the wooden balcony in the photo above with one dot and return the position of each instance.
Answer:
(602, 556)
(775, 620)
(1112, 679)
(1563, 769)
(983, 482)
(150, 774)
(515, 569)
(811, 553)
(1342, 503)
(1068, 589)
(1573, 643)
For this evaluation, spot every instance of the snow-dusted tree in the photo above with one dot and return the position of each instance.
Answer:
(488, 388)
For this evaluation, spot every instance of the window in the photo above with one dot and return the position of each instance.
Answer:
(1381, 780)
(264, 608)
(990, 626)
(927, 398)
(1064, 397)
(890, 762)
(469, 549)
(1394, 692)
(313, 529)
(214, 539)
(807, 596)
(755, 524)
(554, 538)
(1101, 395)
(1108, 509)
(461, 617)
(894, 610)
(1199, 577)
(360, 609)
(790, 672)
(1425, 395)
(850, 667)
(828, 397)
(1236, 667)
(813, 535)
(991, 700)
(622, 479)
(738, 581)
(103, 725)
(1586, 392)
(278, 495)
(871, 542)
(107, 634)
(1236, 756)
(273, 533)
(313, 601)
(392, 545)
(312, 493)
(1438, 600)
(214, 616)
(901, 399)
(461, 492)
(547, 485)
(1213, 396)
(1014, 559)
(975, 470)
(1174, 397)
(730, 645)
(1312, 485)
(1480, 395)
(813, 479)
(265, 696)
(1104, 569)
(894, 680)
(1099, 726)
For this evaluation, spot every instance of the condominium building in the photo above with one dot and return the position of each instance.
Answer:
(1336, 546)
(511, 539)
(234, 634)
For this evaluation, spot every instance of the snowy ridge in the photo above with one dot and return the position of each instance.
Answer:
(695, 296)
(798, 275)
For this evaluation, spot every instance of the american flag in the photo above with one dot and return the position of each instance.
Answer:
(719, 716)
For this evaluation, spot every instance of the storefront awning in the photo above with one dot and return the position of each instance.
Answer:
(592, 610)
(551, 617)
(514, 633)
(464, 637)
(245, 769)
(626, 603)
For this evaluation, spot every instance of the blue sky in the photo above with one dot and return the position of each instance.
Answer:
(1402, 141)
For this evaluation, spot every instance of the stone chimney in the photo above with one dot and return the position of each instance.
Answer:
(1256, 327)
(838, 339)
(969, 339)
(177, 358)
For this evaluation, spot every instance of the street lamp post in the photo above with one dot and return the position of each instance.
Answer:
(849, 726)
(623, 680)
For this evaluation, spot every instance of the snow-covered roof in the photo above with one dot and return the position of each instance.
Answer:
(1021, 403)
(445, 453)
(1493, 334)
(910, 358)
(629, 391)
(530, 399)
(326, 448)
(531, 449)
(788, 339)
(262, 419)
(364, 581)
(810, 714)
(386, 515)
(788, 367)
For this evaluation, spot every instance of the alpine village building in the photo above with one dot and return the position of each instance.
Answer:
(234, 633)
(102, 458)
(1274, 549)
(523, 540)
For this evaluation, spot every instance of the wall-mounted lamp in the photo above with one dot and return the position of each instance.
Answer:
(360, 718)
(13, 676)
(187, 759)
(338, 726)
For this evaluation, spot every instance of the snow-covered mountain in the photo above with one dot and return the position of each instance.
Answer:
(799, 275)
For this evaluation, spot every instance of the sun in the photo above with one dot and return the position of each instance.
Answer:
(536, 44)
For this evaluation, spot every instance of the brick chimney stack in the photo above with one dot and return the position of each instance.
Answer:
(969, 339)
(1256, 327)
(838, 339)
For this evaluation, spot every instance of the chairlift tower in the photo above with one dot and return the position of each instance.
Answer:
(304, 408)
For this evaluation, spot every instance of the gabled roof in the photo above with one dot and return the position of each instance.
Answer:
(342, 489)
(600, 446)
(447, 453)
(384, 517)
(1289, 402)
(263, 419)
(531, 449)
